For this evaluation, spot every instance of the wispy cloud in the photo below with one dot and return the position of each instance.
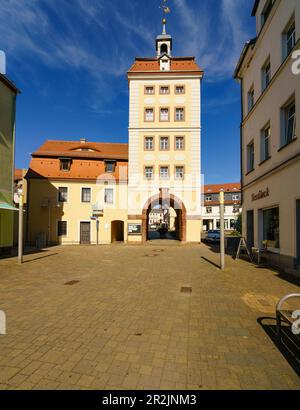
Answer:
(215, 35)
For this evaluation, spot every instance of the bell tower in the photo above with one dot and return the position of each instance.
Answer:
(164, 167)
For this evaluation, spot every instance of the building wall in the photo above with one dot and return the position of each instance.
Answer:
(73, 211)
(214, 216)
(277, 176)
(7, 137)
(189, 190)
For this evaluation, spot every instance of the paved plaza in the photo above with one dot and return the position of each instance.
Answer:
(123, 320)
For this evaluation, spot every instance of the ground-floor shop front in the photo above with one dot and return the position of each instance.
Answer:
(271, 216)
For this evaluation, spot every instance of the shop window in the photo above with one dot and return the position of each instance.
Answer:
(271, 228)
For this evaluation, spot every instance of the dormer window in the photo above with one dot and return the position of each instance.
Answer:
(65, 164)
(110, 166)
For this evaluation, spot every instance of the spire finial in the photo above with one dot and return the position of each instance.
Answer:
(165, 10)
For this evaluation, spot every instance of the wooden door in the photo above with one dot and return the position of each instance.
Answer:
(85, 233)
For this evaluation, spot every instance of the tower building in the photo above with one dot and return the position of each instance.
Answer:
(164, 169)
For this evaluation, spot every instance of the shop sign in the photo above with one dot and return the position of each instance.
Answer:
(261, 194)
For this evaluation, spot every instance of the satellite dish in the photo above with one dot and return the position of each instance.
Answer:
(2, 62)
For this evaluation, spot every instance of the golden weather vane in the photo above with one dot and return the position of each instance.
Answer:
(165, 9)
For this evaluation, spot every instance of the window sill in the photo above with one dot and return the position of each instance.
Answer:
(287, 144)
(263, 161)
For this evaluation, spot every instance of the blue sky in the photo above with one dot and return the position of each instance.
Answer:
(70, 57)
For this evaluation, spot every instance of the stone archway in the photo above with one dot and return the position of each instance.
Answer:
(172, 201)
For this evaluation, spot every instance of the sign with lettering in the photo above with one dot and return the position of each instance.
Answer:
(134, 229)
(261, 194)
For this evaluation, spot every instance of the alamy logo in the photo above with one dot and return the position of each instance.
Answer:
(2, 323)
(296, 63)
(296, 324)
(2, 62)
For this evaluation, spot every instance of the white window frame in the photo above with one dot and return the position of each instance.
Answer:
(182, 139)
(57, 230)
(265, 137)
(81, 195)
(164, 176)
(181, 176)
(250, 157)
(148, 167)
(105, 196)
(58, 195)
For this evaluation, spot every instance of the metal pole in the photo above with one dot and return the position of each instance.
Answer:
(222, 232)
(20, 240)
(97, 227)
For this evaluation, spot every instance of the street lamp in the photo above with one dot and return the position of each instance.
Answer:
(222, 231)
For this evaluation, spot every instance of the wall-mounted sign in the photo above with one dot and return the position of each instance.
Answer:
(134, 229)
(261, 194)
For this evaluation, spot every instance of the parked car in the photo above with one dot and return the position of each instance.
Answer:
(213, 236)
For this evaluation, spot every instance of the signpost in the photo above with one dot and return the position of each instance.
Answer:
(222, 232)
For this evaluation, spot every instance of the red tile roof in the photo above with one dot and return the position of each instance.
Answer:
(178, 64)
(215, 189)
(18, 175)
(71, 149)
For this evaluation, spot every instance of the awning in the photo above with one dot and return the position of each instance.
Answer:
(7, 207)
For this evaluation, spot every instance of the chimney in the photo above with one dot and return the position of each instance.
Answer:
(83, 140)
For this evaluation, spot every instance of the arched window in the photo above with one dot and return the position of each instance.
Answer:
(164, 49)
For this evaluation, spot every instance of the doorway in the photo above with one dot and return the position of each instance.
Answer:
(85, 233)
(117, 231)
(298, 231)
(164, 217)
(250, 228)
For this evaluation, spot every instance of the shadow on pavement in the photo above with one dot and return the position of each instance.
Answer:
(288, 346)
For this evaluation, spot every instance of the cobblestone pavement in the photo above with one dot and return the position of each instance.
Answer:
(126, 324)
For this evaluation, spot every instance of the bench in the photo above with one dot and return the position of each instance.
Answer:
(283, 315)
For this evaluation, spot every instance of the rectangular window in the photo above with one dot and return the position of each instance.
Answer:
(164, 172)
(179, 114)
(265, 143)
(208, 198)
(266, 75)
(164, 89)
(149, 90)
(164, 114)
(164, 143)
(266, 11)
(86, 195)
(65, 164)
(250, 99)
(235, 197)
(149, 143)
(271, 227)
(179, 89)
(209, 210)
(179, 143)
(62, 194)
(289, 123)
(109, 196)
(232, 223)
(61, 228)
(149, 172)
(250, 157)
(149, 114)
(179, 172)
(110, 166)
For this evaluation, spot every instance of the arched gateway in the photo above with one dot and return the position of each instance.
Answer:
(165, 202)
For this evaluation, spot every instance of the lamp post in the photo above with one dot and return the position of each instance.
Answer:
(20, 235)
(222, 231)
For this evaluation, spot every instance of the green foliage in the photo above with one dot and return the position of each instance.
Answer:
(238, 225)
